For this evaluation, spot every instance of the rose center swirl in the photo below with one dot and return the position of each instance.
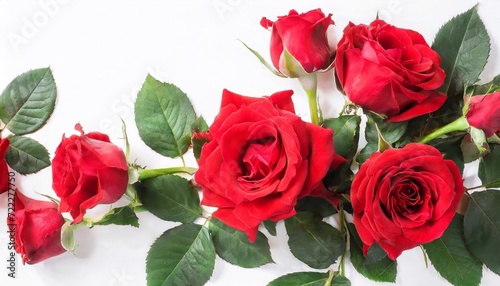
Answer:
(260, 157)
(405, 196)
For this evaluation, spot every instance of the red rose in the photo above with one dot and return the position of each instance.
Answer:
(389, 70)
(88, 170)
(4, 170)
(484, 113)
(260, 159)
(405, 197)
(304, 37)
(37, 230)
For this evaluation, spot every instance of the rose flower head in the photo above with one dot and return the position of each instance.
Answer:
(389, 70)
(299, 42)
(88, 170)
(4, 169)
(261, 158)
(38, 229)
(484, 113)
(405, 197)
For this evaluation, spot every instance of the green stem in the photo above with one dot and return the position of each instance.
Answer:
(151, 173)
(459, 124)
(310, 85)
(474, 188)
(140, 209)
(343, 229)
(495, 138)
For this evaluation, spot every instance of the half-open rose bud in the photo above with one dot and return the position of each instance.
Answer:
(38, 229)
(484, 113)
(299, 42)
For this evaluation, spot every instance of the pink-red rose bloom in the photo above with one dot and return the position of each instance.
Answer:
(405, 197)
(260, 159)
(4, 170)
(484, 113)
(88, 170)
(304, 36)
(37, 230)
(389, 70)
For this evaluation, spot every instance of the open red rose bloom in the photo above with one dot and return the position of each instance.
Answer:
(260, 160)
(405, 197)
(389, 70)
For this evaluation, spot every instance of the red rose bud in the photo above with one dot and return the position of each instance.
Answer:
(389, 70)
(36, 229)
(4, 169)
(299, 42)
(88, 170)
(402, 198)
(261, 158)
(484, 113)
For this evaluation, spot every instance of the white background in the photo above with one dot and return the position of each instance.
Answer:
(100, 53)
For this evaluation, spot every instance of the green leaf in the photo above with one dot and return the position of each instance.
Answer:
(315, 205)
(490, 87)
(489, 168)
(375, 254)
(301, 279)
(452, 259)
(200, 125)
(380, 270)
(482, 227)
(313, 241)
(464, 46)
(345, 134)
(376, 127)
(330, 278)
(339, 280)
(366, 152)
(234, 247)
(270, 226)
(26, 155)
(183, 255)
(451, 149)
(170, 197)
(28, 101)
(164, 117)
(120, 216)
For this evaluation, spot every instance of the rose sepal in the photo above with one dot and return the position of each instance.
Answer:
(479, 138)
(67, 235)
(382, 143)
(291, 66)
(263, 61)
